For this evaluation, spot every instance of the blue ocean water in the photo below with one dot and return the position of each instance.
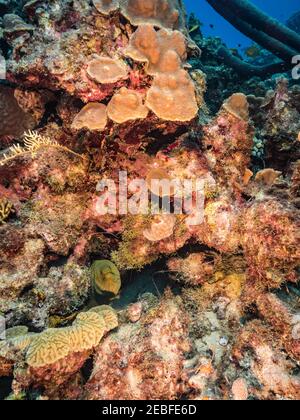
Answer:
(215, 25)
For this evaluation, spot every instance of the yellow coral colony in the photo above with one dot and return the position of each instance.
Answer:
(48, 348)
(109, 315)
(106, 277)
(126, 105)
(54, 345)
(86, 332)
(93, 117)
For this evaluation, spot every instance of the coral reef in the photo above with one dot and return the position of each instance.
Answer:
(153, 348)
(112, 286)
(53, 356)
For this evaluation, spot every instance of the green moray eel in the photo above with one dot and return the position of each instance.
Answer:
(106, 278)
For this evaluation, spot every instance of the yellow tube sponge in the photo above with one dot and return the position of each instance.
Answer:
(53, 345)
(93, 117)
(126, 105)
(106, 277)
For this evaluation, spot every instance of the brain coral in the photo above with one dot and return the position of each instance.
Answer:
(172, 97)
(109, 315)
(106, 277)
(54, 345)
(106, 70)
(17, 338)
(16, 332)
(93, 117)
(49, 347)
(126, 105)
(163, 51)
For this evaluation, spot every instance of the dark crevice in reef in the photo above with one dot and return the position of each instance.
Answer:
(5, 387)
(153, 279)
(159, 140)
(87, 369)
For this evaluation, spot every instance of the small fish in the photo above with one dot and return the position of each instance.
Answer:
(253, 52)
